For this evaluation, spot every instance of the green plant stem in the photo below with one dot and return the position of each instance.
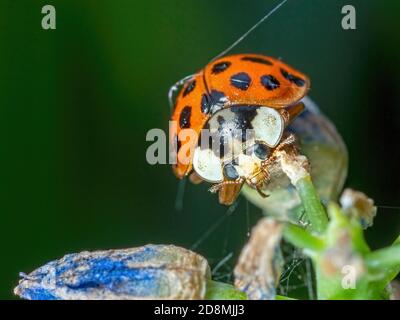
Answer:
(314, 210)
(317, 217)
(384, 258)
(397, 241)
(284, 298)
(386, 261)
(396, 269)
(223, 291)
(301, 238)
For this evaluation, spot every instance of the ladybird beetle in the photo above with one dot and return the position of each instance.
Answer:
(238, 92)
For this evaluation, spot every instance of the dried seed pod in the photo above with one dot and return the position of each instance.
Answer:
(260, 263)
(358, 205)
(148, 272)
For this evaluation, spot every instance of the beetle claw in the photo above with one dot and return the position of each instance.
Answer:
(261, 193)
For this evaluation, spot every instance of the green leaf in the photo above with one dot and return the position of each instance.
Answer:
(223, 291)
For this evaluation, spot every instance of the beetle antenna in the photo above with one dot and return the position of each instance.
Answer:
(241, 38)
(175, 88)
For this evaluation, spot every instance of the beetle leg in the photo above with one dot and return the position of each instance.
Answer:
(195, 178)
(227, 190)
(290, 113)
(261, 193)
(289, 140)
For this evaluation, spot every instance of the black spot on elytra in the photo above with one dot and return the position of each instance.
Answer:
(218, 100)
(184, 118)
(205, 104)
(220, 67)
(213, 102)
(270, 82)
(257, 60)
(292, 78)
(176, 144)
(189, 88)
(241, 81)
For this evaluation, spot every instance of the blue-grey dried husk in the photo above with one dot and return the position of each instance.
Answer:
(148, 272)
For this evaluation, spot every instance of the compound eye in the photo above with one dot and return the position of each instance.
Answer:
(261, 151)
(230, 172)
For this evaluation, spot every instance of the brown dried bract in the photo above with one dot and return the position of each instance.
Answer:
(294, 165)
(357, 204)
(260, 263)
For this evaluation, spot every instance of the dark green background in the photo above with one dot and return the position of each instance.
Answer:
(76, 103)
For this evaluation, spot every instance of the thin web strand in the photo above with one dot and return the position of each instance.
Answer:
(241, 38)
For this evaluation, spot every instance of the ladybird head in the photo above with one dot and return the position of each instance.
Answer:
(236, 142)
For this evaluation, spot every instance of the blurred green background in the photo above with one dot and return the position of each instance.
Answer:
(76, 103)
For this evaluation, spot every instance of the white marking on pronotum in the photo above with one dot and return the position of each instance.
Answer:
(268, 126)
(207, 165)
